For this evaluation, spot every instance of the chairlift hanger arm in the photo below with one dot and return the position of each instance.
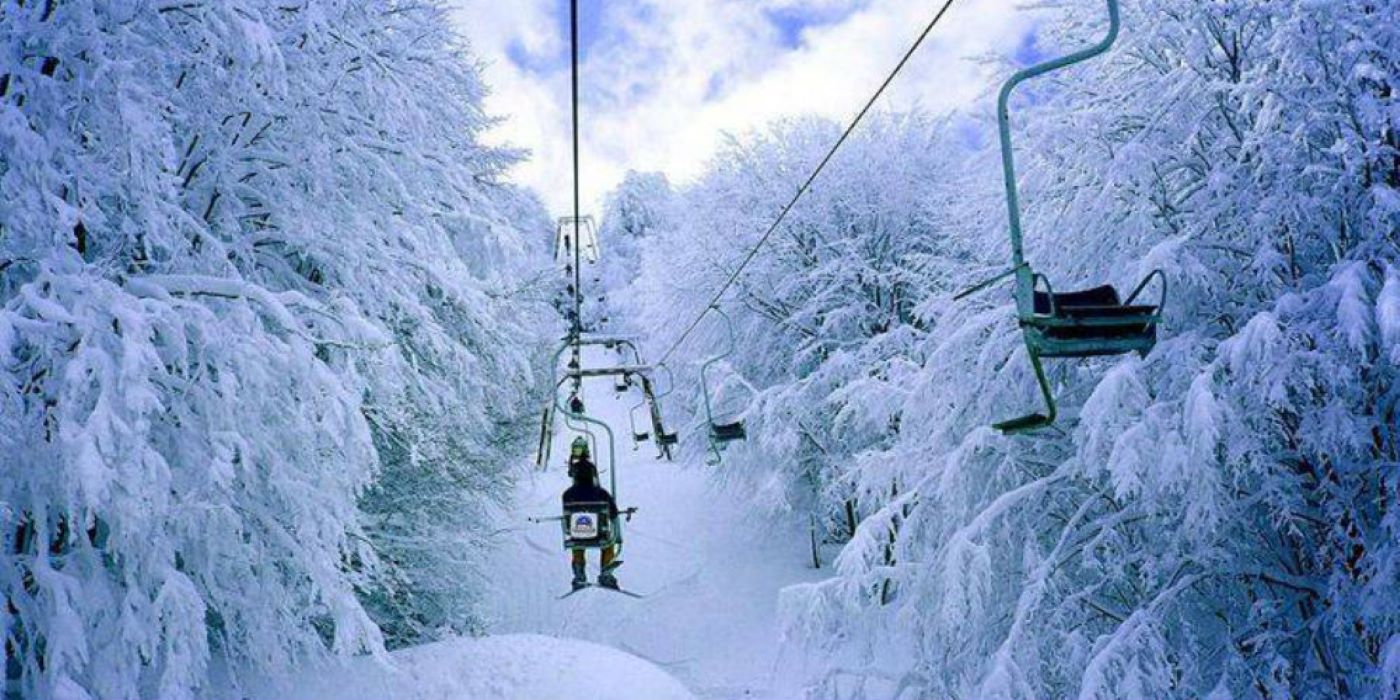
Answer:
(1013, 202)
(607, 430)
(670, 381)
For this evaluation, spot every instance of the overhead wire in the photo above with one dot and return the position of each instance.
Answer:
(577, 334)
(787, 209)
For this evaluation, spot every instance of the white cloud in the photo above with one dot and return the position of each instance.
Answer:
(663, 80)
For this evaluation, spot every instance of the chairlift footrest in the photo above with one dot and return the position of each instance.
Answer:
(1034, 421)
(728, 432)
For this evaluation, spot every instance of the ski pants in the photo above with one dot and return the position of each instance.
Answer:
(609, 553)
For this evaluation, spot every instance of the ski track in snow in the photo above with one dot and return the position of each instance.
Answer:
(711, 570)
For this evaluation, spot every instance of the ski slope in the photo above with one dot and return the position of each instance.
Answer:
(710, 569)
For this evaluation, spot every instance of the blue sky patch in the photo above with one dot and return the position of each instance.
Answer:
(1029, 52)
(790, 22)
(590, 30)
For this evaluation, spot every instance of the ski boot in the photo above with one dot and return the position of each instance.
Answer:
(606, 578)
(580, 576)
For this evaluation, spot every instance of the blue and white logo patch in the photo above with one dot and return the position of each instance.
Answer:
(583, 525)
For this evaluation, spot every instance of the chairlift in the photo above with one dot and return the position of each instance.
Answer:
(664, 440)
(1084, 323)
(720, 433)
(623, 380)
(575, 373)
(652, 400)
(639, 434)
(570, 231)
(591, 525)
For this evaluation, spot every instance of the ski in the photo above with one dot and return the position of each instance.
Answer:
(594, 585)
(576, 590)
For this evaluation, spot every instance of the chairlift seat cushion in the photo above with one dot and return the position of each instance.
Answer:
(727, 432)
(667, 438)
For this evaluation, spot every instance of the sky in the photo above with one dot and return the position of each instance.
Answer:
(663, 81)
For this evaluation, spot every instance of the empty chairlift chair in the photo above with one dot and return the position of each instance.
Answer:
(720, 433)
(1093, 322)
(652, 401)
(640, 434)
(1087, 323)
(664, 440)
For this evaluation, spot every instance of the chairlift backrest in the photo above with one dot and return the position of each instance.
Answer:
(1105, 295)
(589, 524)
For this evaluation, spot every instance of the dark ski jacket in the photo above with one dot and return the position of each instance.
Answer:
(588, 492)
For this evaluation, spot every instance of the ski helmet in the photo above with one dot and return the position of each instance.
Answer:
(579, 448)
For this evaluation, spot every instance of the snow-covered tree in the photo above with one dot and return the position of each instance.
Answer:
(828, 313)
(1216, 519)
(252, 258)
(639, 208)
(633, 212)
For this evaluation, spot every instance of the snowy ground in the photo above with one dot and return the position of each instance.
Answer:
(504, 667)
(710, 571)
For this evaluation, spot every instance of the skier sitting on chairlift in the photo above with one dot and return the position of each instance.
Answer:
(586, 490)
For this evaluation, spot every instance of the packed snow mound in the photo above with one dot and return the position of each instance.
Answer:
(505, 667)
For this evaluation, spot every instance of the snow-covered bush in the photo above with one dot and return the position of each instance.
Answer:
(252, 259)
